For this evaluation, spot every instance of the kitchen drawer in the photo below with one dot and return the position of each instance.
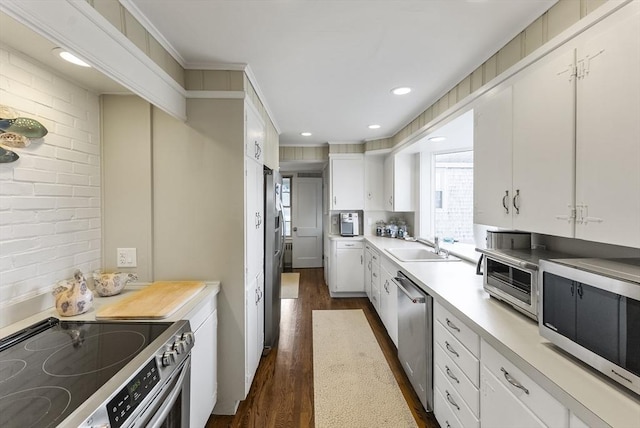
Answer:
(344, 244)
(458, 353)
(458, 379)
(539, 401)
(454, 401)
(458, 329)
(445, 416)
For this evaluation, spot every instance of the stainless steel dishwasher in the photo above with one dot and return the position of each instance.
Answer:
(415, 337)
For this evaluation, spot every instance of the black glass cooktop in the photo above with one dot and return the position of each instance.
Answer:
(51, 368)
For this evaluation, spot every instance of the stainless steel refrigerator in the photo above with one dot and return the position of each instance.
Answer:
(273, 256)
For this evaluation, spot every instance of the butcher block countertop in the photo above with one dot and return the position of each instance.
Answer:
(208, 290)
(157, 301)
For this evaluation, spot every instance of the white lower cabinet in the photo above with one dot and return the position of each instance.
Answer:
(510, 398)
(499, 407)
(445, 416)
(456, 371)
(204, 376)
(347, 270)
(453, 400)
(389, 301)
(576, 422)
(372, 275)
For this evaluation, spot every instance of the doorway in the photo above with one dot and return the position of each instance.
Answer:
(306, 220)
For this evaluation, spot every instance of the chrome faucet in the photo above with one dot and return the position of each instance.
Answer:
(436, 245)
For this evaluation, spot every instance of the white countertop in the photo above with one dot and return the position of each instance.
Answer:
(211, 289)
(455, 285)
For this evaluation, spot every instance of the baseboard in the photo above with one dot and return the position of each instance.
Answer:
(226, 407)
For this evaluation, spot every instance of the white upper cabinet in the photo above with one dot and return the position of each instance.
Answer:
(254, 134)
(347, 182)
(374, 183)
(543, 147)
(399, 183)
(608, 131)
(492, 152)
(569, 163)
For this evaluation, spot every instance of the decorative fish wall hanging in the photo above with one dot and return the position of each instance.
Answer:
(17, 132)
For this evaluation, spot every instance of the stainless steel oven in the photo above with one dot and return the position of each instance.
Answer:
(512, 276)
(591, 309)
(96, 374)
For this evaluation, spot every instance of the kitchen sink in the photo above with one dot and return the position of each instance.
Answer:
(419, 255)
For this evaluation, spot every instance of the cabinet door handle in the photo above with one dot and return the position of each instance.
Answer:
(452, 326)
(335, 202)
(452, 401)
(451, 375)
(450, 349)
(516, 200)
(513, 382)
(361, 260)
(505, 198)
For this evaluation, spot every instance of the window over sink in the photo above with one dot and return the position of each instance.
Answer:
(446, 186)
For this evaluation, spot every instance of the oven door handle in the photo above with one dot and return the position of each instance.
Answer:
(168, 403)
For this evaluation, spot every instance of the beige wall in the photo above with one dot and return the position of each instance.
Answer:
(127, 182)
(175, 191)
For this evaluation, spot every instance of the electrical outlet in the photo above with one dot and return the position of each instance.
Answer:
(126, 257)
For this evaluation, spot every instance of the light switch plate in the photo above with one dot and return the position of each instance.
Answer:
(126, 257)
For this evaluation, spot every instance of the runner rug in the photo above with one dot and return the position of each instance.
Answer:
(289, 283)
(353, 384)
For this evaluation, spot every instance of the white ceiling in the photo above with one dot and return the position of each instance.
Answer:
(327, 67)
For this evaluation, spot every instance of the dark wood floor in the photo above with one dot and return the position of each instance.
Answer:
(282, 392)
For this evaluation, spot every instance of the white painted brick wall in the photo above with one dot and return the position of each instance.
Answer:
(50, 215)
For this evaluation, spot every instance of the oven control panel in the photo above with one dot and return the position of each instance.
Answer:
(130, 396)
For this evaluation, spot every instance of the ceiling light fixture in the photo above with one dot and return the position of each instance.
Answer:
(403, 90)
(436, 139)
(306, 134)
(374, 126)
(69, 57)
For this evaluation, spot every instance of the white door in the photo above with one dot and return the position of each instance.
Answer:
(307, 222)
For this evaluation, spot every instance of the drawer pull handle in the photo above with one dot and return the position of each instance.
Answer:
(513, 382)
(447, 422)
(451, 375)
(452, 326)
(450, 349)
(451, 400)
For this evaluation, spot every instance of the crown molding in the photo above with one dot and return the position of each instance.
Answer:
(238, 95)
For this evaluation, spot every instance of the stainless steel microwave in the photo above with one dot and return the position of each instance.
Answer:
(591, 309)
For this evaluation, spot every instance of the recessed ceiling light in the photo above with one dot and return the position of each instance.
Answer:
(374, 126)
(436, 139)
(306, 134)
(67, 56)
(403, 90)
